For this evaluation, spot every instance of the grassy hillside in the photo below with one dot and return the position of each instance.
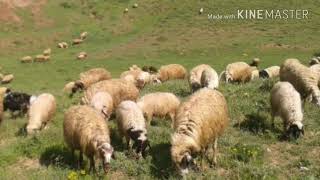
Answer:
(157, 33)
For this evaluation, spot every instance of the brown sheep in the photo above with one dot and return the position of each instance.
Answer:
(171, 71)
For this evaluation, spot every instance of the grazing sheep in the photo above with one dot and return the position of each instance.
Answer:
(314, 61)
(150, 69)
(63, 45)
(94, 75)
(199, 122)
(41, 111)
(286, 103)
(195, 76)
(47, 52)
(154, 79)
(209, 78)
(138, 77)
(17, 101)
(201, 11)
(7, 78)
(69, 87)
(82, 56)
(135, 5)
(83, 35)
(102, 101)
(77, 41)
(85, 130)
(255, 62)
(132, 126)
(303, 79)
(238, 72)
(26, 59)
(126, 10)
(171, 71)
(270, 72)
(159, 104)
(119, 90)
(41, 58)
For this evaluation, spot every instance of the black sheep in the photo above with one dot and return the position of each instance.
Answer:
(16, 101)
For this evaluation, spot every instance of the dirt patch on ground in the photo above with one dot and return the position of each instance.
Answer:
(9, 8)
(25, 164)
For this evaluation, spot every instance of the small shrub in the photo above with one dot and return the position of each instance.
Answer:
(246, 153)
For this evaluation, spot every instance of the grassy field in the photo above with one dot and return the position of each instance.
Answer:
(157, 33)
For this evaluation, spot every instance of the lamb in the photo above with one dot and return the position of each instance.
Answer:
(171, 71)
(237, 72)
(90, 77)
(201, 11)
(102, 101)
(303, 79)
(199, 122)
(17, 101)
(63, 45)
(119, 90)
(26, 59)
(47, 52)
(41, 58)
(135, 5)
(7, 78)
(77, 41)
(132, 126)
(83, 35)
(41, 111)
(85, 130)
(286, 103)
(270, 72)
(126, 10)
(159, 104)
(195, 76)
(82, 56)
(209, 78)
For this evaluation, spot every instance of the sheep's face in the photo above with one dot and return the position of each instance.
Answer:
(106, 153)
(195, 86)
(295, 131)
(185, 162)
(78, 86)
(141, 146)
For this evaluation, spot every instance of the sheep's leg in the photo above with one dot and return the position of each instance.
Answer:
(80, 162)
(128, 143)
(92, 165)
(215, 151)
(149, 118)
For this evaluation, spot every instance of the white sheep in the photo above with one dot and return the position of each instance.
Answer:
(270, 72)
(135, 5)
(82, 55)
(303, 79)
(286, 103)
(41, 58)
(41, 111)
(26, 59)
(199, 122)
(83, 35)
(132, 126)
(238, 72)
(102, 101)
(47, 52)
(159, 104)
(171, 71)
(77, 41)
(7, 78)
(63, 45)
(119, 90)
(195, 76)
(85, 130)
(209, 79)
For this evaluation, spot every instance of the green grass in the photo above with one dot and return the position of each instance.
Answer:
(157, 33)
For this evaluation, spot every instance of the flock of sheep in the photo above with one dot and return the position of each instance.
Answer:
(198, 122)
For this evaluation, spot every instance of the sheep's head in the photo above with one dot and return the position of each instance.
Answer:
(77, 86)
(195, 86)
(140, 141)
(263, 74)
(106, 153)
(154, 79)
(295, 130)
(31, 129)
(183, 161)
